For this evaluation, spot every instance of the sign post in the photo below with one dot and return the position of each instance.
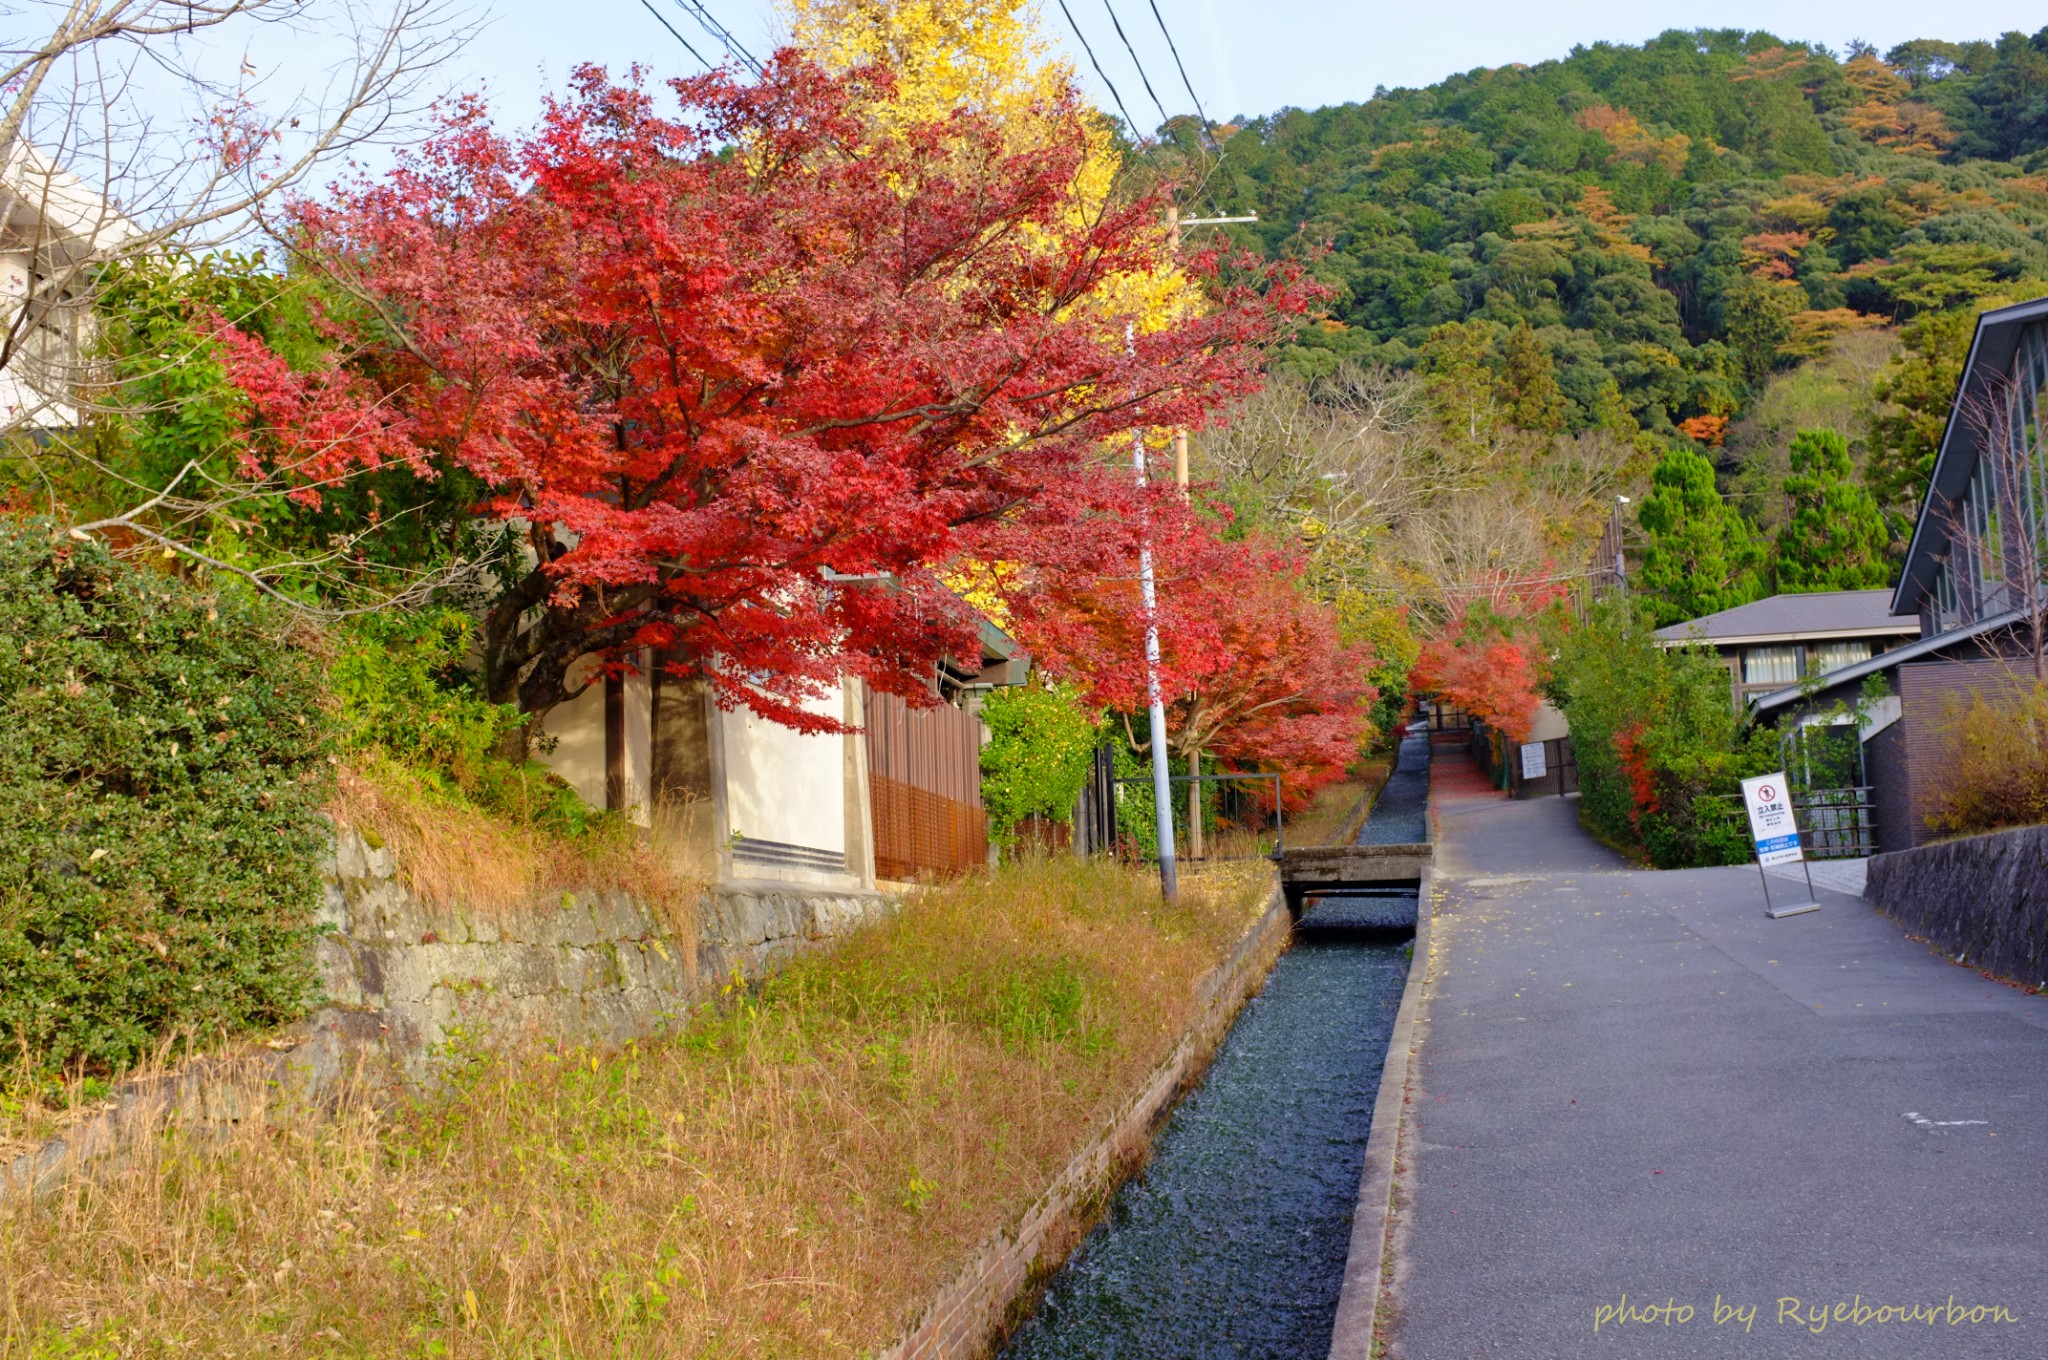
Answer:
(1534, 765)
(1775, 831)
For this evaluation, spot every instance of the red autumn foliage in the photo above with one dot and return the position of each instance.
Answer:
(1252, 670)
(1488, 659)
(1709, 430)
(711, 362)
(1635, 767)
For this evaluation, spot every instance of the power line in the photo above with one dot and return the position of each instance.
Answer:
(1189, 84)
(709, 23)
(1129, 121)
(1146, 80)
(677, 36)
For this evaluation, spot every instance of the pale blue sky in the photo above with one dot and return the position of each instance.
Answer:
(1243, 58)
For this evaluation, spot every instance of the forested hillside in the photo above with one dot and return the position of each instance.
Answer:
(1673, 220)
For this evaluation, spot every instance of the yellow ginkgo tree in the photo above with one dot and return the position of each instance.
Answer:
(989, 57)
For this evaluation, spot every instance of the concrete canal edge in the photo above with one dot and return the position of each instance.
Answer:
(989, 1295)
(1368, 1267)
(1354, 820)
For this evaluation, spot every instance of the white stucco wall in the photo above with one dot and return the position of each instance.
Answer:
(785, 786)
(577, 727)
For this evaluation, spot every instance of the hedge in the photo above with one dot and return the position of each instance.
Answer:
(162, 763)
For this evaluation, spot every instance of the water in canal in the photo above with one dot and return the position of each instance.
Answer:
(1232, 1242)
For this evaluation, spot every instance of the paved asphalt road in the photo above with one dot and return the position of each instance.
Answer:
(1634, 1084)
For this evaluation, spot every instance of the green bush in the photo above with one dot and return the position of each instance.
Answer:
(162, 761)
(1040, 746)
(1659, 745)
(399, 685)
(408, 708)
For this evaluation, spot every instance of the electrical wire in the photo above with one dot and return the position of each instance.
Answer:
(1129, 121)
(1185, 82)
(1145, 80)
(677, 36)
(709, 23)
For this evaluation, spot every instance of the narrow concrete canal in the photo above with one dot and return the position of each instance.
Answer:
(1232, 1242)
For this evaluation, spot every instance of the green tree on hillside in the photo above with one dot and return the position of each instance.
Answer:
(1758, 315)
(1528, 383)
(1664, 217)
(1913, 394)
(1835, 538)
(1702, 556)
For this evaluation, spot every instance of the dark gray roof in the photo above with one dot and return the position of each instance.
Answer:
(1820, 614)
(1991, 355)
(1884, 661)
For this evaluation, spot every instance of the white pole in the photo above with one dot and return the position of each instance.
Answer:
(1162, 784)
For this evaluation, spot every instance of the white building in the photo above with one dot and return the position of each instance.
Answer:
(53, 227)
(761, 804)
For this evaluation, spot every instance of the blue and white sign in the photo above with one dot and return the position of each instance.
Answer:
(1771, 823)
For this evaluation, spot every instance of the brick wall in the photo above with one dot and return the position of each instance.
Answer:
(598, 966)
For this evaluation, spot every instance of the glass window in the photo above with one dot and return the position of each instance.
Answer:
(1771, 665)
(1832, 656)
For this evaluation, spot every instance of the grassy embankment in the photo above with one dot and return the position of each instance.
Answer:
(1325, 816)
(794, 1175)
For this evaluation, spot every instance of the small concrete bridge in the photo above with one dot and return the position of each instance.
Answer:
(1334, 868)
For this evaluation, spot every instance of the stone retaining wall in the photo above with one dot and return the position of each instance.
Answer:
(400, 975)
(1005, 1271)
(598, 966)
(1982, 899)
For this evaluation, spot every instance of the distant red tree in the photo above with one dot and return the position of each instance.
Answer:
(1488, 659)
(713, 362)
(1252, 669)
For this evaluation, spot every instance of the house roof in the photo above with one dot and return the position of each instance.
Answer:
(1991, 354)
(1782, 618)
(1883, 661)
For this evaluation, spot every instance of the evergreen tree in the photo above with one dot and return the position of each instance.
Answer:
(1528, 383)
(1702, 556)
(1835, 537)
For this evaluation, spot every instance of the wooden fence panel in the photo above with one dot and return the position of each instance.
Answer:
(924, 785)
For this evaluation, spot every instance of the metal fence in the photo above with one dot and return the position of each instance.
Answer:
(1837, 823)
(1242, 817)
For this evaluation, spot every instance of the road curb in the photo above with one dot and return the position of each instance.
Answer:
(1372, 1226)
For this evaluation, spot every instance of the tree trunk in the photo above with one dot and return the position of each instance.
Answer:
(615, 791)
(1195, 804)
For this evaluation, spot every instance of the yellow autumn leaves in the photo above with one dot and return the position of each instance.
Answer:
(990, 57)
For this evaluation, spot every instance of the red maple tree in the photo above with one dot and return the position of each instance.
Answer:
(1488, 658)
(1252, 669)
(714, 362)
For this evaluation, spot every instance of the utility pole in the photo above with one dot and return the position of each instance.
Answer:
(1174, 223)
(1162, 780)
(1180, 479)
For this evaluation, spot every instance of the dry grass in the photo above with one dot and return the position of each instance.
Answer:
(453, 855)
(1321, 821)
(1993, 770)
(793, 1176)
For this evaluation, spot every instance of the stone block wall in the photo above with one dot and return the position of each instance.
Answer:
(401, 976)
(1981, 898)
(602, 967)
